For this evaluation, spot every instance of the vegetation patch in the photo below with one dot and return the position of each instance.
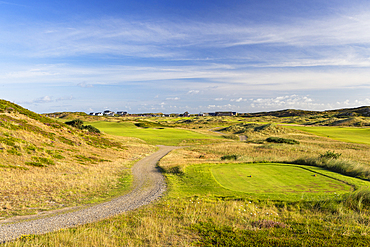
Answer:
(37, 164)
(66, 140)
(219, 235)
(14, 151)
(345, 167)
(229, 157)
(330, 155)
(282, 140)
(43, 160)
(77, 123)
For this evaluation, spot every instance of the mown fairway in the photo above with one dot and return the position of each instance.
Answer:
(275, 178)
(154, 136)
(346, 134)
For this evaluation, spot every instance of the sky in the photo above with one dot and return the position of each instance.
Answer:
(173, 56)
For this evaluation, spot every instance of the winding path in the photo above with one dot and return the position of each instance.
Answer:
(148, 185)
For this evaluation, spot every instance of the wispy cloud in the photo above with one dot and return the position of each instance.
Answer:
(9, 3)
(284, 102)
(47, 99)
(85, 85)
(192, 92)
(322, 39)
(175, 98)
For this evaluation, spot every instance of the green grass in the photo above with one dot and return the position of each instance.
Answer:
(154, 136)
(275, 178)
(273, 181)
(346, 134)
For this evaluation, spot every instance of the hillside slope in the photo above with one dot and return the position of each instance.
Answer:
(46, 165)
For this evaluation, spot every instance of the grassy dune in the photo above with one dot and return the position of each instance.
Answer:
(210, 203)
(47, 165)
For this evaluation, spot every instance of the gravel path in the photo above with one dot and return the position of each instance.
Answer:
(148, 185)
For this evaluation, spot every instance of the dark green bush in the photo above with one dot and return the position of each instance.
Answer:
(330, 155)
(229, 157)
(91, 129)
(175, 170)
(281, 140)
(77, 123)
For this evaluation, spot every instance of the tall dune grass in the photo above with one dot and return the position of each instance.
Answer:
(342, 166)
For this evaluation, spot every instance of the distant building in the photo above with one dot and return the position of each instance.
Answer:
(225, 113)
(108, 113)
(122, 113)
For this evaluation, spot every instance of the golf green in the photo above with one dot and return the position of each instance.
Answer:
(275, 178)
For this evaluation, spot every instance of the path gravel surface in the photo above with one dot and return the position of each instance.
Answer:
(148, 185)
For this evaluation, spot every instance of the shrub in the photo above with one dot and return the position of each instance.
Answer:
(229, 157)
(330, 155)
(175, 170)
(281, 140)
(77, 123)
(91, 129)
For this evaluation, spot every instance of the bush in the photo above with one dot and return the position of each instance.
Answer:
(229, 157)
(282, 140)
(330, 155)
(77, 123)
(175, 170)
(91, 129)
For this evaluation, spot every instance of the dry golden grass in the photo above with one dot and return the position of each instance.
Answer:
(82, 172)
(169, 222)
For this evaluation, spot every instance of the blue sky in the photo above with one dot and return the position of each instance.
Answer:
(175, 56)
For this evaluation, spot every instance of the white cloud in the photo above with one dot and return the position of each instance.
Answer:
(85, 85)
(44, 99)
(47, 99)
(287, 101)
(238, 100)
(176, 98)
(353, 103)
(193, 92)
